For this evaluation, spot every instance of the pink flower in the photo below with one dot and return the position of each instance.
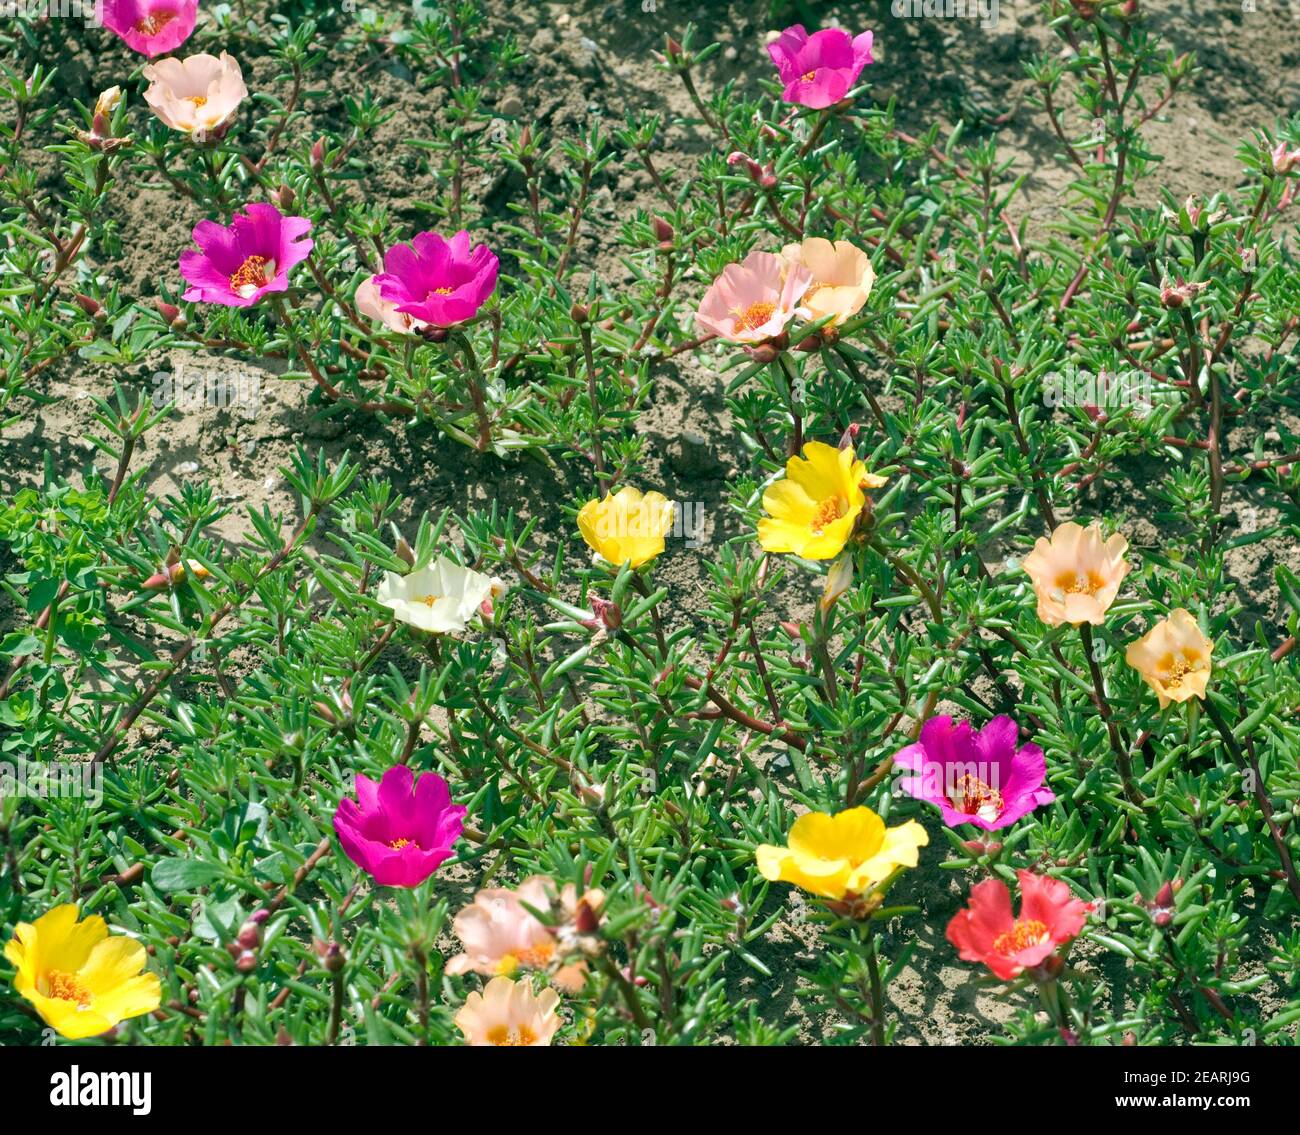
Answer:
(151, 27)
(986, 931)
(438, 281)
(400, 829)
(753, 301)
(1283, 158)
(237, 265)
(975, 778)
(819, 69)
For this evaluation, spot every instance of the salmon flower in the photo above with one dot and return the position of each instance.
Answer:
(626, 527)
(501, 934)
(975, 778)
(1173, 658)
(151, 27)
(239, 263)
(79, 978)
(753, 301)
(849, 854)
(819, 69)
(437, 281)
(196, 95)
(400, 829)
(371, 303)
(1076, 574)
(842, 277)
(441, 597)
(509, 1013)
(986, 931)
(812, 510)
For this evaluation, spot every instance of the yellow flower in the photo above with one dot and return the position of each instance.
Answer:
(626, 527)
(1076, 574)
(813, 508)
(842, 277)
(81, 981)
(508, 1013)
(1173, 658)
(850, 853)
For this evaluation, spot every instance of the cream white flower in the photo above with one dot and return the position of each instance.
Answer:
(196, 94)
(441, 597)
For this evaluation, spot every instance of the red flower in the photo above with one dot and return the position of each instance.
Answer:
(986, 931)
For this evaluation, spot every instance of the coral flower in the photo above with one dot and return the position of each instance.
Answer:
(975, 778)
(626, 527)
(372, 305)
(813, 508)
(509, 1013)
(848, 854)
(501, 934)
(441, 597)
(985, 931)
(238, 264)
(81, 980)
(1173, 658)
(196, 95)
(842, 277)
(151, 27)
(440, 282)
(819, 69)
(1076, 574)
(753, 301)
(401, 828)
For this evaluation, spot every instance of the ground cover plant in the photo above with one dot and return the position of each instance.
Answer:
(933, 696)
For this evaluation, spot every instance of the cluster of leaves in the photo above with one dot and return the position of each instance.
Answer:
(649, 754)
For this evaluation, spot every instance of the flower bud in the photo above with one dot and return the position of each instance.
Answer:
(284, 198)
(403, 551)
(664, 232)
(91, 306)
(318, 153)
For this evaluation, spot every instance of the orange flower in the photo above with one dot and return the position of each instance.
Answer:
(1076, 574)
(1173, 658)
(842, 277)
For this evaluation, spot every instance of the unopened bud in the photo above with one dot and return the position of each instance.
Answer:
(91, 306)
(318, 153)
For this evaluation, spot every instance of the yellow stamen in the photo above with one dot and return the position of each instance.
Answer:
(66, 987)
(972, 797)
(427, 600)
(755, 316)
(199, 100)
(398, 844)
(443, 291)
(1071, 583)
(250, 274)
(1025, 933)
(153, 23)
(808, 76)
(511, 1038)
(830, 510)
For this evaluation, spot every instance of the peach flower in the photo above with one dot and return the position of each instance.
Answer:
(753, 301)
(501, 935)
(842, 277)
(1173, 658)
(509, 1013)
(372, 305)
(1076, 573)
(196, 95)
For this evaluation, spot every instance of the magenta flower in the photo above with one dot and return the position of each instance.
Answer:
(236, 265)
(975, 778)
(442, 282)
(819, 69)
(151, 27)
(400, 829)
